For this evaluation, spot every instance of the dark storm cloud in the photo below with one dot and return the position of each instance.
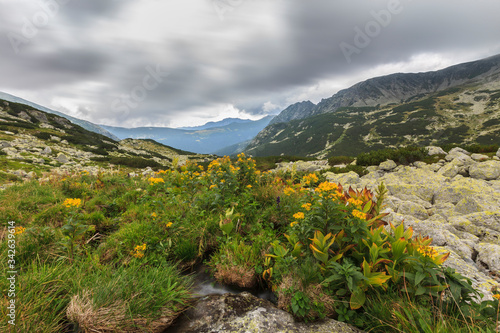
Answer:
(262, 52)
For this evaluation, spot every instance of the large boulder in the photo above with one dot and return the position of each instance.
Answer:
(488, 170)
(61, 158)
(247, 313)
(489, 256)
(349, 178)
(433, 150)
(387, 165)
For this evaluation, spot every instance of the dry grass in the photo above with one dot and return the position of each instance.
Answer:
(113, 318)
(240, 276)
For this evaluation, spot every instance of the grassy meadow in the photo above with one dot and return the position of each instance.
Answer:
(110, 253)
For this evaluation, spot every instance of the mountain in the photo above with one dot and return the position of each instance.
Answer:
(34, 140)
(205, 141)
(211, 124)
(459, 104)
(83, 123)
(294, 111)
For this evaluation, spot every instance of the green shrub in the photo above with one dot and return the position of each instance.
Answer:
(404, 155)
(334, 160)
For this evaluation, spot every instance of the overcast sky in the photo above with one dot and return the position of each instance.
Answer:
(182, 63)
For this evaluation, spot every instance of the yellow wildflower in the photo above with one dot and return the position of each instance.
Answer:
(249, 186)
(355, 202)
(19, 230)
(326, 187)
(497, 296)
(138, 251)
(72, 202)
(153, 180)
(298, 216)
(154, 215)
(428, 251)
(213, 186)
(289, 191)
(358, 214)
(169, 224)
(293, 223)
(307, 206)
(310, 179)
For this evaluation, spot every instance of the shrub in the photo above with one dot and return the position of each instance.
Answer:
(404, 155)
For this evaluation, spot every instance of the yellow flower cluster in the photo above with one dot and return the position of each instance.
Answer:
(497, 296)
(428, 251)
(169, 224)
(293, 223)
(298, 216)
(138, 251)
(213, 186)
(72, 202)
(153, 180)
(307, 206)
(355, 202)
(358, 214)
(154, 215)
(288, 191)
(19, 230)
(310, 179)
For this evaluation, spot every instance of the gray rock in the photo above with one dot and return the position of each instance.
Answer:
(460, 156)
(343, 178)
(458, 150)
(55, 138)
(231, 313)
(5, 144)
(489, 255)
(479, 157)
(498, 153)
(413, 209)
(451, 169)
(47, 151)
(387, 165)
(61, 158)
(488, 170)
(10, 151)
(433, 150)
(468, 205)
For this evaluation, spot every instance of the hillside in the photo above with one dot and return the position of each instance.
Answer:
(83, 123)
(457, 105)
(35, 141)
(205, 141)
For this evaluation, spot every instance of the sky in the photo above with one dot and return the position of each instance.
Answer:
(183, 63)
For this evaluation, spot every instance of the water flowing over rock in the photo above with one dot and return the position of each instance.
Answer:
(230, 313)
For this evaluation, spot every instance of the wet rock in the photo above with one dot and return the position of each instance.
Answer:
(246, 313)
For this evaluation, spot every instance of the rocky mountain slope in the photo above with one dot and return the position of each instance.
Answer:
(33, 141)
(459, 104)
(83, 123)
(206, 141)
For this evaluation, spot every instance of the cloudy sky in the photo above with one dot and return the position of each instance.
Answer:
(182, 63)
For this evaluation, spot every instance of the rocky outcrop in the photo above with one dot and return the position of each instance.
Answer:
(455, 201)
(246, 313)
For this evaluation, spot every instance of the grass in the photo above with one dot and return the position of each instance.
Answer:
(114, 258)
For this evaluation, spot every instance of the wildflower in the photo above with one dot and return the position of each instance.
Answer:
(306, 206)
(72, 202)
(213, 186)
(249, 186)
(169, 224)
(427, 251)
(289, 191)
(355, 202)
(310, 179)
(138, 251)
(293, 223)
(154, 215)
(298, 216)
(153, 180)
(19, 230)
(326, 187)
(358, 214)
(497, 296)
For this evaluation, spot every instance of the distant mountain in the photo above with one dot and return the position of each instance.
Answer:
(83, 123)
(212, 124)
(205, 141)
(459, 104)
(397, 88)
